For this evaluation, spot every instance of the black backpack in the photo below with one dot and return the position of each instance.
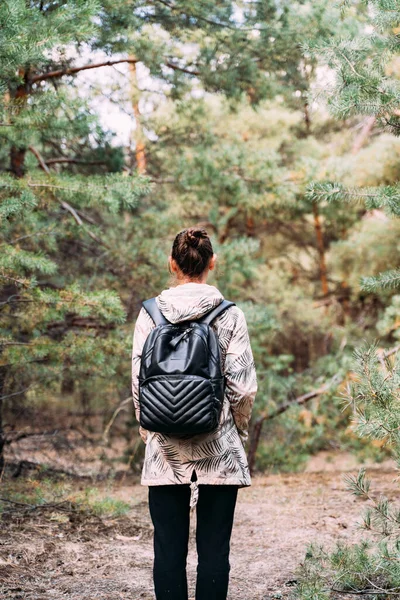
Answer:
(181, 384)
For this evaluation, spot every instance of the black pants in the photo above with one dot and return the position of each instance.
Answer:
(169, 510)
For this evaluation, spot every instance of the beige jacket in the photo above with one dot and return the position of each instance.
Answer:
(218, 457)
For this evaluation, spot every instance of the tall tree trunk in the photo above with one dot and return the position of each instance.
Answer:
(250, 225)
(254, 441)
(17, 154)
(67, 381)
(17, 161)
(85, 403)
(317, 221)
(364, 134)
(321, 250)
(307, 118)
(3, 374)
(138, 135)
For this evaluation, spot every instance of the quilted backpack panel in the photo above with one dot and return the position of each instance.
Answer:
(181, 383)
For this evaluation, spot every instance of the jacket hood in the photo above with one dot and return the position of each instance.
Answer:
(188, 301)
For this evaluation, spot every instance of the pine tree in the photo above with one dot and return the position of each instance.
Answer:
(52, 321)
(364, 86)
(62, 188)
(80, 246)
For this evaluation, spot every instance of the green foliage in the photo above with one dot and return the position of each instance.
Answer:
(388, 325)
(231, 142)
(374, 241)
(374, 396)
(360, 65)
(365, 567)
(363, 87)
(58, 495)
(286, 444)
(387, 197)
(104, 506)
(389, 279)
(356, 569)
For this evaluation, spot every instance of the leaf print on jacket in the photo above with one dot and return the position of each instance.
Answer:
(218, 457)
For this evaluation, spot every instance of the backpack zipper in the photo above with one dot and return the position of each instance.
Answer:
(178, 339)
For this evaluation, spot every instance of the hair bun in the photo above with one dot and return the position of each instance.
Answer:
(194, 236)
(192, 250)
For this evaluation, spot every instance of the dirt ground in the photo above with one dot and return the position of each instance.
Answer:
(56, 555)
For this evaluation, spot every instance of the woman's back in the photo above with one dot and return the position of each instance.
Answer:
(217, 457)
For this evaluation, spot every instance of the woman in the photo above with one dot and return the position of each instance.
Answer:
(204, 470)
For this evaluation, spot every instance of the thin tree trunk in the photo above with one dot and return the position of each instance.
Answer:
(138, 135)
(317, 221)
(17, 154)
(307, 118)
(254, 441)
(321, 250)
(250, 225)
(364, 134)
(3, 374)
(67, 381)
(85, 403)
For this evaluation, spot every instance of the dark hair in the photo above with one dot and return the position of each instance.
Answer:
(192, 251)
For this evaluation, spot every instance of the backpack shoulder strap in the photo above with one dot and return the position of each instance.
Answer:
(154, 312)
(213, 314)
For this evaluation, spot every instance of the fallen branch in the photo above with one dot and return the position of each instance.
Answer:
(74, 161)
(15, 436)
(302, 399)
(46, 505)
(266, 416)
(114, 416)
(365, 592)
(28, 464)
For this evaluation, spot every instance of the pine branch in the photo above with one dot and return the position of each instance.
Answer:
(73, 70)
(358, 484)
(74, 161)
(336, 191)
(387, 280)
(77, 218)
(40, 159)
(374, 197)
(198, 17)
(65, 204)
(23, 282)
(109, 63)
(16, 394)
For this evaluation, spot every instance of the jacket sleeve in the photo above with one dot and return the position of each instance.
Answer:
(240, 375)
(143, 326)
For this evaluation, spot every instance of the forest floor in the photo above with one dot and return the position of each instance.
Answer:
(58, 554)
